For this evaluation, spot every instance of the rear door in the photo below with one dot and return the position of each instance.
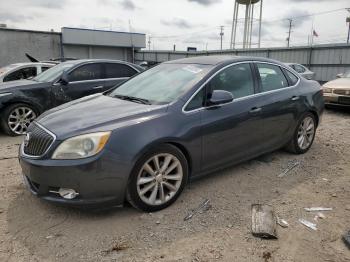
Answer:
(233, 131)
(278, 100)
(117, 73)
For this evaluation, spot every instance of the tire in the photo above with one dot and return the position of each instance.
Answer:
(9, 125)
(141, 179)
(295, 146)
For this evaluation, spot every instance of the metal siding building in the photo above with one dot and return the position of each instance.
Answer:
(325, 60)
(72, 42)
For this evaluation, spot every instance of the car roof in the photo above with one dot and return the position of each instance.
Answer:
(78, 61)
(28, 64)
(220, 59)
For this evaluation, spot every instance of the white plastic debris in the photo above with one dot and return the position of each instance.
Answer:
(317, 209)
(308, 224)
(282, 222)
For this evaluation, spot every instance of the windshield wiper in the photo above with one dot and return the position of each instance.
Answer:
(134, 99)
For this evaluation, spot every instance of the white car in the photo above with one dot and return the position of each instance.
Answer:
(302, 70)
(20, 71)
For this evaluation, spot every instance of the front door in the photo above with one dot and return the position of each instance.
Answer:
(233, 131)
(85, 80)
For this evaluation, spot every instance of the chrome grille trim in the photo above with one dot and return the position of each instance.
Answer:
(47, 143)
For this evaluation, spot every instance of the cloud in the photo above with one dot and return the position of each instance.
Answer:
(177, 22)
(51, 4)
(128, 4)
(205, 2)
(299, 16)
(14, 18)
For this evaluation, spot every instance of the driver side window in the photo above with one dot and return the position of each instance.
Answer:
(236, 79)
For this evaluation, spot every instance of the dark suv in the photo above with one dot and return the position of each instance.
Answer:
(22, 101)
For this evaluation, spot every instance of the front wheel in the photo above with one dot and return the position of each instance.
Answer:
(158, 178)
(304, 135)
(16, 118)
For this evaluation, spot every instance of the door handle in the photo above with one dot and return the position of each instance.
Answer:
(97, 87)
(295, 98)
(255, 110)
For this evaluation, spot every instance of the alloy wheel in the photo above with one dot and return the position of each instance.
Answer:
(20, 118)
(159, 179)
(306, 133)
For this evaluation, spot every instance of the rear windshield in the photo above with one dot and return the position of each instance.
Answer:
(54, 72)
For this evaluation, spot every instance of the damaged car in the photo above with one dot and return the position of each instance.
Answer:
(23, 101)
(144, 140)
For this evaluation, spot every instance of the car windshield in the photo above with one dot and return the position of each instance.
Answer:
(162, 84)
(54, 72)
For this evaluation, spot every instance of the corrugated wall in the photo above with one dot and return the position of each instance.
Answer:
(326, 61)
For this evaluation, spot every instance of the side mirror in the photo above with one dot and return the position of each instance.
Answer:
(220, 97)
(64, 78)
(339, 75)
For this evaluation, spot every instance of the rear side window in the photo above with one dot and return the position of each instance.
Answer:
(86, 72)
(272, 77)
(236, 79)
(292, 78)
(22, 73)
(115, 70)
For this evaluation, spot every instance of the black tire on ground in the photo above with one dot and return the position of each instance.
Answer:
(5, 113)
(132, 195)
(293, 146)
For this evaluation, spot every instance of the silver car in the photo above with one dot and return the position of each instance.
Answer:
(20, 71)
(302, 70)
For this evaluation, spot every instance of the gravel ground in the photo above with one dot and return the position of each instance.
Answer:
(33, 230)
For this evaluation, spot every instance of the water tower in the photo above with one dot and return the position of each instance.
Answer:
(248, 21)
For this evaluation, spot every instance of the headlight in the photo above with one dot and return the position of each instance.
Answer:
(327, 90)
(81, 146)
(5, 94)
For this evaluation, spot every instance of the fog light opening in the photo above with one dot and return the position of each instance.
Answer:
(67, 193)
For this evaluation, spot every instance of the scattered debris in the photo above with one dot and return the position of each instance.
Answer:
(325, 179)
(347, 207)
(202, 207)
(117, 247)
(319, 215)
(346, 239)
(308, 224)
(290, 167)
(52, 236)
(283, 223)
(264, 221)
(317, 209)
(334, 195)
(157, 222)
(267, 256)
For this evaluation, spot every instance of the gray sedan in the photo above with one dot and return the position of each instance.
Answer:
(143, 140)
(302, 70)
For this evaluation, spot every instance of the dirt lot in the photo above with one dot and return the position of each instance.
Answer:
(33, 230)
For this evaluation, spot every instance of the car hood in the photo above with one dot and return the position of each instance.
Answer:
(13, 85)
(96, 113)
(341, 83)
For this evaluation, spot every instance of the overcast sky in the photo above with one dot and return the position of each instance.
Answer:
(181, 22)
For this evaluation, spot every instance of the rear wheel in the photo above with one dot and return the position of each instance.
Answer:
(16, 118)
(304, 135)
(158, 179)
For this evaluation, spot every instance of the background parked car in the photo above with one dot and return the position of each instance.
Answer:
(20, 71)
(302, 70)
(22, 101)
(337, 92)
(181, 119)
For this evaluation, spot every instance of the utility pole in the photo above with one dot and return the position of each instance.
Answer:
(221, 35)
(149, 42)
(289, 31)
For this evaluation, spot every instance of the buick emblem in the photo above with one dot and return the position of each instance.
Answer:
(26, 139)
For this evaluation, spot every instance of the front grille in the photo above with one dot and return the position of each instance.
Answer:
(341, 92)
(37, 141)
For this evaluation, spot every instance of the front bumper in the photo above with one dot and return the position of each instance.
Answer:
(100, 181)
(334, 99)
